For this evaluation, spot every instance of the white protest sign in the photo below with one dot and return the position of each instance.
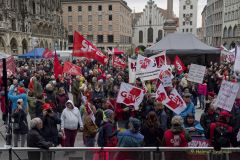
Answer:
(196, 73)
(165, 75)
(132, 70)
(227, 95)
(237, 60)
(146, 68)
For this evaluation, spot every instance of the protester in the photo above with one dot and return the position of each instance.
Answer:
(20, 124)
(190, 107)
(161, 115)
(70, 119)
(61, 100)
(35, 139)
(32, 104)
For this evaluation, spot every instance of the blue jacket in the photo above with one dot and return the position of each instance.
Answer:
(13, 98)
(130, 139)
(190, 109)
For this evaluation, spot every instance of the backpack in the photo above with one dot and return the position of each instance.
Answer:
(221, 136)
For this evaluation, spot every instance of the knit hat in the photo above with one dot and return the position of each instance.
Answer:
(108, 113)
(135, 122)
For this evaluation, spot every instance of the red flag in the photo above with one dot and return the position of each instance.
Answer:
(117, 52)
(180, 67)
(84, 48)
(118, 62)
(71, 69)
(57, 66)
(47, 53)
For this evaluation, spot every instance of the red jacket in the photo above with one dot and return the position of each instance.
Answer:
(175, 140)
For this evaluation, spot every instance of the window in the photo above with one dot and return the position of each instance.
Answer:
(99, 8)
(99, 27)
(100, 38)
(89, 18)
(184, 15)
(70, 29)
(182, 30)
(110, 28)
(89, 27)
(79, 8)
(184, 23)
(90, 37)
(99, 17)
(110, 17)
(110, 7)
(70, 38)
(160, 33)
(89, 8)
(110, 38)
(190, 22)
(184, 7)
(69, 8)
(190, 29)
(79, 18)
(187, 30)
(69, 19)
(150, 35)
(190, 14)
(191, 6)
(80, 28)
(140, 36)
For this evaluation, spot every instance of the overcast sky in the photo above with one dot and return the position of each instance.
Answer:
(138, 6)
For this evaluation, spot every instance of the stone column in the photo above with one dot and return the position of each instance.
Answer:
(170, 8)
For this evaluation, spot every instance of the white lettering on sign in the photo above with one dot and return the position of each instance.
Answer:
(86, 47)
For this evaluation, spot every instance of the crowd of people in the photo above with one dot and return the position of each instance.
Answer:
(61, 106)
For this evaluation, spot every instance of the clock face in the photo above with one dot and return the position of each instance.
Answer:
(188, 2)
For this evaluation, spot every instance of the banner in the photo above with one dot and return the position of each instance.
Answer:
(57, 67)
(196, 73)
(160, 59)
(146, 68)
(180, 67)
(48, 54)
(165, 75)
(227, 95)
(118, 62)
(130, 95)
(72, 69)
(237, 60)
(84, 48)
(132, 70)
(199, 142)
(174, 101)
(10, 65)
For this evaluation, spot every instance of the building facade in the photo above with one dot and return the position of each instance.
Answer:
(106, 24)
(148, 25)
(214, 22)
(231, 27)
(204, 24)
(27, 24)
(188, 16)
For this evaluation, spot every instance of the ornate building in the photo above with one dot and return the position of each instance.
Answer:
(231, 27)
(188, 16)
(148, 25)
(25, 21)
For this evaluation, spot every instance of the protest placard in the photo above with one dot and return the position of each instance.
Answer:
(227, 95)
(196, 73)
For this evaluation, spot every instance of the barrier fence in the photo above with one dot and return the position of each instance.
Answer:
(120, 153)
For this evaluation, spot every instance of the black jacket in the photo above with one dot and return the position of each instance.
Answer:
(20, 117)
(49, 130)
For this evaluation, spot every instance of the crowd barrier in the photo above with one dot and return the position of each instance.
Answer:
(120, 153)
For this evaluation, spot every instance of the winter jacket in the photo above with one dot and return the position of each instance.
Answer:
(189, 109)
(61, 99)
(205, 121)
(38, 90)
(70, 118)
(20, 117)
(172, 139)
(49, 130)
(13, 98)
(90, 128)
(130, 139)
(38, 108)
(163, 119)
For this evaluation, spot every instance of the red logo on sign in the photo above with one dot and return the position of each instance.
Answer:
(145, 63)
(132, 97)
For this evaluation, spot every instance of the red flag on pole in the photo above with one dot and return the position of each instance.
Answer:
(47, 53)
(71, 69)
(180, 67)
(57, 66)
(84, 48)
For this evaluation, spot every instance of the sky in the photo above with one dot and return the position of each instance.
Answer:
(138, 6)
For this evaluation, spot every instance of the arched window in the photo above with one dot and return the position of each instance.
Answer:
(140, 36)
(225, 32)
(160, 33)
(230, 32)
(14, 46)
(150, 35)
(235, 31)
